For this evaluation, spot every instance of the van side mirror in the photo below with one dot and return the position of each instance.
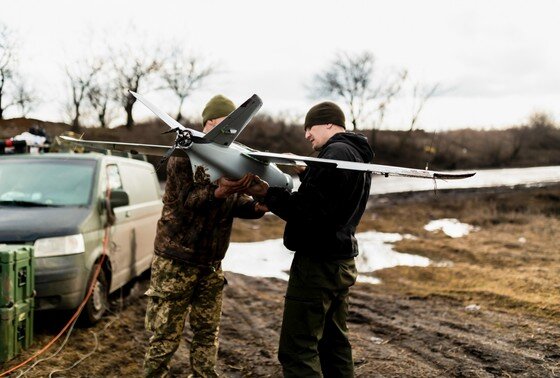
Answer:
(118, 198)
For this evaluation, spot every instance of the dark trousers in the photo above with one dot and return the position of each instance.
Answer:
(314, 336)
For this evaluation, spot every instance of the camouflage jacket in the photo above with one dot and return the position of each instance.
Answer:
(195, 226)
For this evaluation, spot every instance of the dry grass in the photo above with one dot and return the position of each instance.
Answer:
(512, 262)
(254, 230)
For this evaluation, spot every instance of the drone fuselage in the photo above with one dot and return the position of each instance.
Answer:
(233, 162)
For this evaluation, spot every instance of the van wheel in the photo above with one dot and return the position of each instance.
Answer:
(97, 303)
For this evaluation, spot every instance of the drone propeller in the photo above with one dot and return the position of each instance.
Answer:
(166, 156)
(171, 130)
(184, 140)
(193, 138)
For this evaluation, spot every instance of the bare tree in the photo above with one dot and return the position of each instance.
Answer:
(23, 97)
(351, 78)
(132, 68)
(80, 78)
(543, 134)
(420, 95)
(7, 63)
(101, 96)
(184, 74)
(541, 121)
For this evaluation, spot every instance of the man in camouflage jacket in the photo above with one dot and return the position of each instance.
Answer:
(192, 238)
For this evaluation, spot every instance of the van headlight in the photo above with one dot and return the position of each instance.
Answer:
(62, 245)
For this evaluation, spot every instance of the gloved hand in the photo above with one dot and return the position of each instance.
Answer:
(297, 169)
(258, 187)
(261, 207)
(227, 187)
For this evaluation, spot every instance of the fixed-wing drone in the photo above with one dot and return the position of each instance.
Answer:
(218, 152)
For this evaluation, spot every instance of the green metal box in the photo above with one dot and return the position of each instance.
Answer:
(16, 329)
(17, 275)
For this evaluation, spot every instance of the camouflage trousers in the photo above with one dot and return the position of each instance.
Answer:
(174, 289)
(314, 336)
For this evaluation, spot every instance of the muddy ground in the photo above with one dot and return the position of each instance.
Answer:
(488, 306)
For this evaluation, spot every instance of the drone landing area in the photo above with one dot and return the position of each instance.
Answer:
(488, 306)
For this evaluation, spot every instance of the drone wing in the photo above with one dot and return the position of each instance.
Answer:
(133, 148)
(164, 116)
(385, 170)
(226, 132)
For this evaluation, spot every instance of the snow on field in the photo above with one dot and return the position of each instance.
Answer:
(376, 252)
(268, 258)
(533, 176)
(271, 259)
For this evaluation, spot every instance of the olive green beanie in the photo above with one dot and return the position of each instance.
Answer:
(324, 113)
(219, 106)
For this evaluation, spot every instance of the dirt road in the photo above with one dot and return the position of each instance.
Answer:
(493, 311)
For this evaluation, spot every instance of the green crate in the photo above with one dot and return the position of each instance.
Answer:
(16, 329)
(7, 335)
(17, 275)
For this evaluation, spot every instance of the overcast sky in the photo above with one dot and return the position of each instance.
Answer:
(496, 61)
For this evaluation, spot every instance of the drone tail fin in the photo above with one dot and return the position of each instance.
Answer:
(229, 129)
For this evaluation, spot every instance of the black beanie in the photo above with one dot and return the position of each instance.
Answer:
(324, 113)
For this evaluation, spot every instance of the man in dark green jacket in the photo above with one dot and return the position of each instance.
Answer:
(321, 219)
(191, 241)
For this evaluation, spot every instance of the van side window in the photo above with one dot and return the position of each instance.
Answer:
(114, 177)
(140, 183)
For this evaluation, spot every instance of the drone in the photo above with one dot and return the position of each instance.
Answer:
(221, 156)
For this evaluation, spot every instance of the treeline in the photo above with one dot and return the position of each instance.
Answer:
(522, 146)
(536, 143)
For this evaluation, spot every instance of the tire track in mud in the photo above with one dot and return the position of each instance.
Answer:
(251, 319)
(392, 335)
(446, 339)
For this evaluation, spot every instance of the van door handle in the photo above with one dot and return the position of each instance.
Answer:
(127, 214)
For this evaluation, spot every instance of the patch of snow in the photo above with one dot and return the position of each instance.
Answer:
(376, 340)
(409, 237)
(376, 252)
(450, 227)
(368, 279)
(472, 308)
(270, 258)
(443, 264)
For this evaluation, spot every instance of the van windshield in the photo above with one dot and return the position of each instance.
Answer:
(44, 182)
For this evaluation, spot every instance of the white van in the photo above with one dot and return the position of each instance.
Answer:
(62, 204)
